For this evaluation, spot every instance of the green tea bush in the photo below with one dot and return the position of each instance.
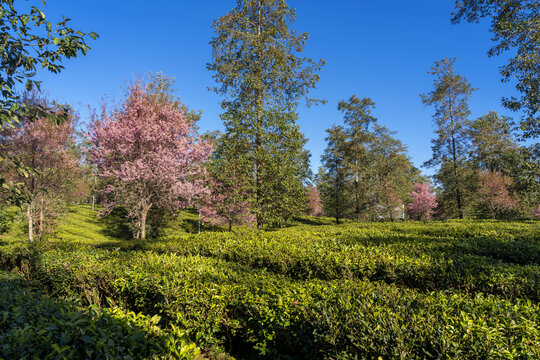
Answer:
(453, 290)
(505, 262)
(262, 315)
(36, 327)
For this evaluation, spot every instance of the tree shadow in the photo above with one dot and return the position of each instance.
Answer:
(116, 225)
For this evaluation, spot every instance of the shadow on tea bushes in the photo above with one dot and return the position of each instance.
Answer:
(37, 327)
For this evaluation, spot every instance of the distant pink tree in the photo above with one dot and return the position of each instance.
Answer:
(423, 202)
(314, 205)
(227, 204)
(151, 154)
(536, 213)
(493, 195)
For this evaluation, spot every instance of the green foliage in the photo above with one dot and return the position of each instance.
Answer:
(30, 42)
(37, 327)
(332, 179)
(450, 98)
(259, 69)
(458, 289)
(365, 173)
(515, 25)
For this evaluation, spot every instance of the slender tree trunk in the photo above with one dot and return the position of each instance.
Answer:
(93, 202)
(356, 190)
(144, 213)
(40, 233)
(230, 225)
(258, 135)
(454, 159)
(456, 174)
(337, 202)
(30, 222)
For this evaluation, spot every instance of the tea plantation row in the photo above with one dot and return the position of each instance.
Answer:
(359, 291)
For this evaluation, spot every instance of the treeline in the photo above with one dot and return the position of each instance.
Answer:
(144, 159)
(481, 169)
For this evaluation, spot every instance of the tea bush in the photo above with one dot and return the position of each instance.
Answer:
(36, 327)
(450, 290)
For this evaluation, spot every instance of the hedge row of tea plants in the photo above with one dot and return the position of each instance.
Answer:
(255, 313)
(33, 326)
(449, 290)
(495, 258)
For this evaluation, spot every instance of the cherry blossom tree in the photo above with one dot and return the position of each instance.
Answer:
(423, 202)
(493, 196)
(151, 154)
(40, 163)
(536, 213)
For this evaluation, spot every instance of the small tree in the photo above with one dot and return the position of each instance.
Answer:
(227, 205)
(536, 213)
(151, 154)
(313, 198)
(493, 196)
(423, 202)
(332, 179)
(40, 158)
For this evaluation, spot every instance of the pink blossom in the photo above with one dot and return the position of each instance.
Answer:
(423, 202)
(152, 154)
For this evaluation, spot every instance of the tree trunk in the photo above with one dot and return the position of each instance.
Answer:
(454, 158)
(93, 202)
(356, 191)
(144, 213)
(230, 225)
(40, 233)
(30, 222)
(258, 135)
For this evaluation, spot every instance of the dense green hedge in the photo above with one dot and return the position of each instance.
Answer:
(454, 290)
(33, 326)
(255, 313)
(494, 258)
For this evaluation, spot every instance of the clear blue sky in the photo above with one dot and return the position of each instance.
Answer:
(376, 49)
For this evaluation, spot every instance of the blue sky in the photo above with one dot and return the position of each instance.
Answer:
(377, 49)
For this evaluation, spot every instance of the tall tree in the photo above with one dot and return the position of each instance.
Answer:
(151, 154)
(450, 98)
(332, 179)
(493, 145)
(392, 172)
(257, 64)
(515, 25)
(358, 119)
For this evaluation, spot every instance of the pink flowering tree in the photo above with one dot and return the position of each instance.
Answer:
(423, 202)
(44, 152)
(493, 196)
(536, 212)
(150, 154)
(313, 199)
